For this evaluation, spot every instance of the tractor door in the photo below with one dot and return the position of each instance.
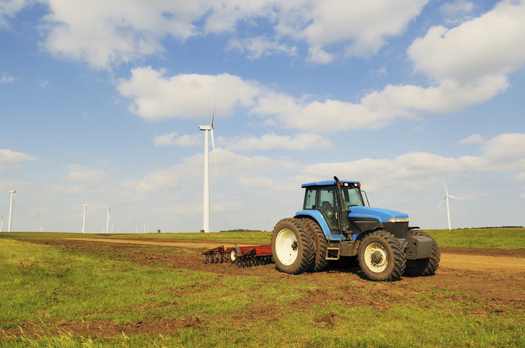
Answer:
(327, 205)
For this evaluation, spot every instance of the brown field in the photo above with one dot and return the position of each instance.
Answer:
(494, 277)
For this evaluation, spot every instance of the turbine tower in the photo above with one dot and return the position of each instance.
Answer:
(206, 129)
(11, 210)
(447, 196)
(107, 221)
(84, 219)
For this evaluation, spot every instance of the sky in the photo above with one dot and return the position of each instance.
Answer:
(101, 103)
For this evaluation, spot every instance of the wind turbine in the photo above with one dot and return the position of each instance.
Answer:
(447, 196)
(2, 224)
(107, 221)
(84, 218)
(206, 129)
(11, 209)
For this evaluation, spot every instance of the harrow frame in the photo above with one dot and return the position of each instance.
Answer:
(242, 257)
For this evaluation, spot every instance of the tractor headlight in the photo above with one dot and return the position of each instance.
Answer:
(398, 220)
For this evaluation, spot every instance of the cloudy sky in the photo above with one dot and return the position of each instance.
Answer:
(100, 103)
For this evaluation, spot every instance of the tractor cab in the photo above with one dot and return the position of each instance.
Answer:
(333, 200)
(339, 208)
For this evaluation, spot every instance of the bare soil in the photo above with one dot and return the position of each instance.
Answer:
(494, 278)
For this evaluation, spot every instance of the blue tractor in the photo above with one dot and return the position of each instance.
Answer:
(336, 225)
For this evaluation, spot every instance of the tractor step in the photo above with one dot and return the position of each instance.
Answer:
(333, 249)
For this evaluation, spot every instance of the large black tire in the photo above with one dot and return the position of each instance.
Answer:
(381, 257)
(292, 246)
(427, 266)
(320, 245)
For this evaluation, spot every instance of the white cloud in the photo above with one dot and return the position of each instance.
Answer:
(171, 139)
(481, 75)
(447, 97)
(413, 170)
(261, 45)
(365, 24)
(317, 55)
(158, 97)
(104, 33)
(272, 141)
(452, 9)
(521, 177)
(506, 151)
(229, 165)
(409, 171)
(8, 156)
(107, 33)
(329, 116)
(473, 139)
(6, 78)
(85, 175)
(490, 45)
(8, 8)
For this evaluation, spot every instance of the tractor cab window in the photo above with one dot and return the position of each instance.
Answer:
(328, 206)
(352, 196)
(310, 199)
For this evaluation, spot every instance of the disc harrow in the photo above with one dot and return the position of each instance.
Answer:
(242, 257)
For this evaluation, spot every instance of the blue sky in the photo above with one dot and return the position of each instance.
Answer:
(100, 103)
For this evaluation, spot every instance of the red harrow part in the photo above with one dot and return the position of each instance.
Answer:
(242, 256)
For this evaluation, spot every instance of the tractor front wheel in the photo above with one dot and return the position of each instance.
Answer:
(380, 257)
(292, 246)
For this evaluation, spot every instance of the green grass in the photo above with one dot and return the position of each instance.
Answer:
(225, 237)
(46, 285)
(501, 238)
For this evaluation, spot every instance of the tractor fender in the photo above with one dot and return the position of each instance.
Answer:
(358, 238)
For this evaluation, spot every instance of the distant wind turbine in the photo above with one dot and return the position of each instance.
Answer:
(206, 129)
(84, 218)
(107, 221)
(2, 224)
(9, 224)
(447, 196)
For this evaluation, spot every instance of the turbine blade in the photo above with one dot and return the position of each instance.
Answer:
(213, 145)
(212, 116)
(455, 197)
(446, 191)
(444, 199)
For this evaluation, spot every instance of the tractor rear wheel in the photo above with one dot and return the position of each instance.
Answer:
(380, 257)
(320, 245)
(292, 246)
(427, 266)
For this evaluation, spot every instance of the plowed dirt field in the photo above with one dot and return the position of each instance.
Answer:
(493, 277)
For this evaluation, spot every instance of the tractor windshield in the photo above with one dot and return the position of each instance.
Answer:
(352, 196)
